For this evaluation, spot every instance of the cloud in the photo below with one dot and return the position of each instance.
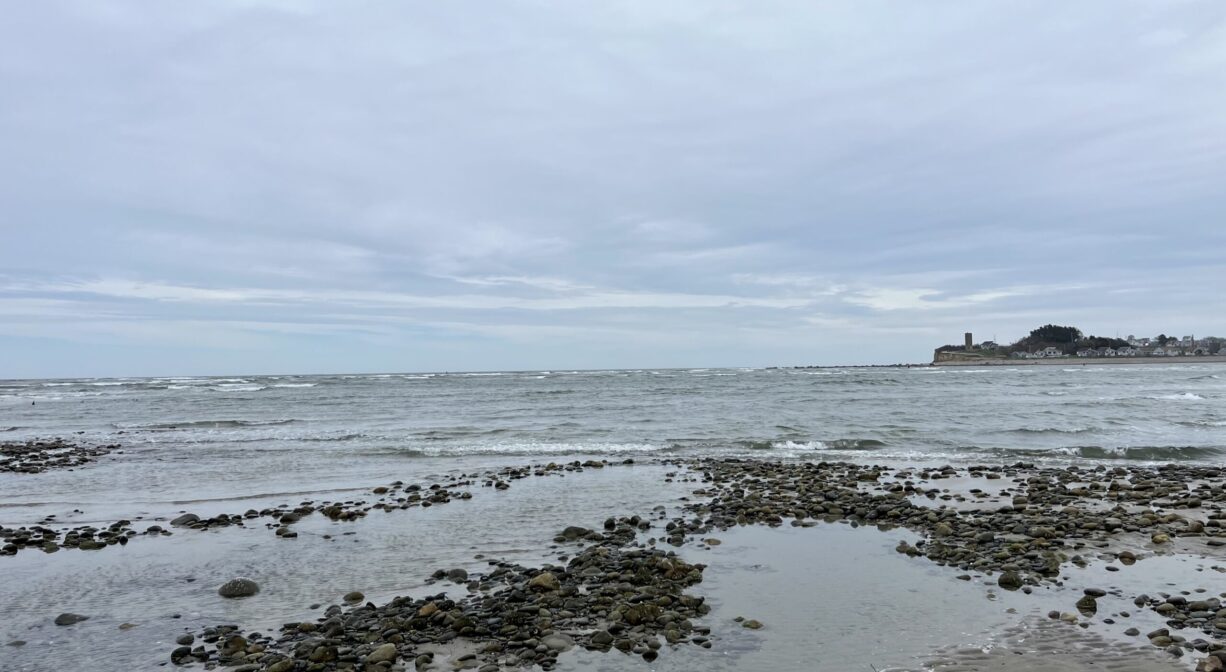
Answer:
(690, 182)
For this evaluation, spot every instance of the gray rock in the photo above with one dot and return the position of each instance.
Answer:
(69, 618)
(185, 520)
(557, 642)
(239, 587)
(385, 653)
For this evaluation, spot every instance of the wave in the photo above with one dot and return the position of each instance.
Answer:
(1181, 396)
(293, 385)
(834, 444)
(208, 424)
(1201, 423)
(238, 387)
(1140, 453)
(1051, 430)
(526, 449)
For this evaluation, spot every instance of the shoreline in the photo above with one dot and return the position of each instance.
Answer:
(1086, 361)
(635, 588)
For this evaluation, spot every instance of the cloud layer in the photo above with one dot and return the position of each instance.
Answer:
(249, 186)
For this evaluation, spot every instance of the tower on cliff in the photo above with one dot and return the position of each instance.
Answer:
(970, 340)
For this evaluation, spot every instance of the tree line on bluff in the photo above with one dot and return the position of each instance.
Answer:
(1066, 339)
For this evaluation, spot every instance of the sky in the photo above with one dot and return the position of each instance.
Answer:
(289, 186)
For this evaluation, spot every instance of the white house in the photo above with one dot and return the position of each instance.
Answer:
(1051, 351)
(1126, 352)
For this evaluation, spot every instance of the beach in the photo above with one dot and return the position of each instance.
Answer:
(436, 546)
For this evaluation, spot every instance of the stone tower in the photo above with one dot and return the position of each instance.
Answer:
(970, 340)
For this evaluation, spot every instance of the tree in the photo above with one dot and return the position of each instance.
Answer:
(1051, 334)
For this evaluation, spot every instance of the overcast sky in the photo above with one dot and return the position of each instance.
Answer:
(292, 186)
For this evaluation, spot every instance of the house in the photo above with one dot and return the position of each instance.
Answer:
(1106, 352)
(1126, 352)
(1158, 352)
(1051, 351)
(1202, 350)
(1087, 352)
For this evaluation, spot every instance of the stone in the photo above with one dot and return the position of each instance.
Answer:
(752, 624)
(557, 642)
(544, 582)
(354, 596)
(185, 520)
(1010, 580)
(239, 587)
(67, 618)
(385, 653)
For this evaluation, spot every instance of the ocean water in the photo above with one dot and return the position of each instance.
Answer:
(201, 438)
(226, 444)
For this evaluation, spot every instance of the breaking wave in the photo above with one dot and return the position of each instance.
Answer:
(1140, 453)
(209, 424)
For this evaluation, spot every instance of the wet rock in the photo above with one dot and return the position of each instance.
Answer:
(239, 587)
(545, 581)
(185, 520)
(385, 653)
(68, 618)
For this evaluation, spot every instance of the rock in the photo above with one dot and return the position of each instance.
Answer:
(1010, 580)
(602, 638)
(185, 520)
(185, 639)
(385, 653)
(67, 618)
(457, 575)
(1160, 538)
(557, 642)
(752, 624)
(239, 587)
(181, 654)
(544, 582)
(126, 626)
(354, 596)
(1087, 605)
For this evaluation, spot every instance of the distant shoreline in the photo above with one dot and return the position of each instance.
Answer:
(1088, 361)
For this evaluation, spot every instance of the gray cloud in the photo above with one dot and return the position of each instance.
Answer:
(314, 186)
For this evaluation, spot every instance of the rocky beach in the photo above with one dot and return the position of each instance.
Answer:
(175, 544)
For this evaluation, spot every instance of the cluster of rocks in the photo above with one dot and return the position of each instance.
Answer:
(388, 498)
(37, 456)
(1024, 534)
(614, 594)
(85, 538)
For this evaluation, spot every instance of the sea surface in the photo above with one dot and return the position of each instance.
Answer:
(833, 595)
